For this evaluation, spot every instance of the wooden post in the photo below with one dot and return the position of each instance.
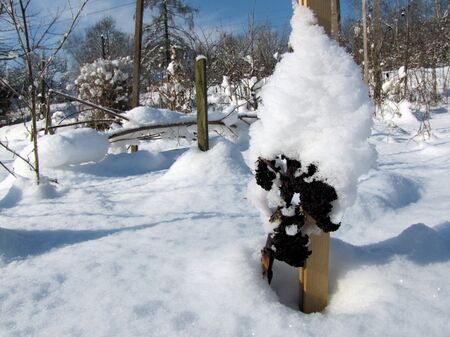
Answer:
(48, 119)
(313, 277)
(137, 59)
(103, 47)
(137, 53)
(202, 103)
(42, 99)
(327, 13)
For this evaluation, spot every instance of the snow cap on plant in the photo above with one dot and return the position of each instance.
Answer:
(316, 110)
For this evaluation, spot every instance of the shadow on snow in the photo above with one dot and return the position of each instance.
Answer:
(418, 243)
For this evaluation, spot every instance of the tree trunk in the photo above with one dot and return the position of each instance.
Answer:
(376, 52)
(166, 33)
(366, 52)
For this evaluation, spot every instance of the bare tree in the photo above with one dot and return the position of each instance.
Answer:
(101, 40)
(30, 43)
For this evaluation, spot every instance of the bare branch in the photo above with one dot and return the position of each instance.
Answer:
(109, 111)
(7, 169)
(17, 155)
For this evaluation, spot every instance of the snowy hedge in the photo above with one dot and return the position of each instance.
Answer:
(310, 143)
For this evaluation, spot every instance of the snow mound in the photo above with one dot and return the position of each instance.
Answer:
(126, 164)
(20, 188)
(419, 243)
(316, 109)
(222, 162)
(381, 193)
(147, 116)
(66, 148)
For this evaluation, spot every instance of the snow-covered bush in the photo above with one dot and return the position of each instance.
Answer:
(176, 91)
(310, 143)
(106, 83)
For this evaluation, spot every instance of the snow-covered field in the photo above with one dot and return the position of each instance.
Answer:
(163, 242)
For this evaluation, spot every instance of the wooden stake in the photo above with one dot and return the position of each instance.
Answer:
(42, 99)
(202, 103)
(327, 13)
(48, 117)
(314, 276)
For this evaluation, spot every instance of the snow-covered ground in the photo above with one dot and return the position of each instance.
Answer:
(163, 242)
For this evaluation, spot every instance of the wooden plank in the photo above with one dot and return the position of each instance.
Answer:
(314, 276)
(202, 104)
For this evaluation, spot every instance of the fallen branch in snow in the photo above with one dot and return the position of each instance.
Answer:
(17, 155)
(80, 123)
(106, 110)
(142, 131)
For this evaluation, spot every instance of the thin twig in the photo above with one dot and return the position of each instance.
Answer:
(109, 111)
(7, 169)
(17, 155)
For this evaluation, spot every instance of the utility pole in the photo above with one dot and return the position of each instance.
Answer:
(366, 52)
(137, 53)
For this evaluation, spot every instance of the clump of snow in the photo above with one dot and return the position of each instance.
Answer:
(65, 148)
(200, 57)
(401, 72)
(147, 116)
(316, 109)
(222, 161)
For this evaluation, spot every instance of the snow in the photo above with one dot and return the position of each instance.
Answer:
(70, 147)
(316, 109)
(150, 116)
(200, 57)
(163, 242)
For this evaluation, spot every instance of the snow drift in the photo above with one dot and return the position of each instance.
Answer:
(66, 148)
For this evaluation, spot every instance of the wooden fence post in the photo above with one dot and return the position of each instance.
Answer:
(42, 99)
(48, 118)
(313, 294)
(327, 12)
(202, 103)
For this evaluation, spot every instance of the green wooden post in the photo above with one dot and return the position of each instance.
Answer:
(48, 117)
(42, 99)
(202, 104)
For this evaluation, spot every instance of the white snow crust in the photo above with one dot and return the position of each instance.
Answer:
(316, 109)
(164, 243)
(140, 116)
(70, 147)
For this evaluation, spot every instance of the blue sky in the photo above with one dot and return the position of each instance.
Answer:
(231, 15)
